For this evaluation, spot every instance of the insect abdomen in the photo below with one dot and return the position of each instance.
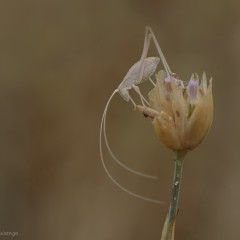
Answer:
(132, 76)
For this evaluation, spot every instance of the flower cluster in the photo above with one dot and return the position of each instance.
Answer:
(181, 113)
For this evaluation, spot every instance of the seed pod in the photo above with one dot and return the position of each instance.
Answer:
(181, 115)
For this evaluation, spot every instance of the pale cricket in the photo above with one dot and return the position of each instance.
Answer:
(141, 71)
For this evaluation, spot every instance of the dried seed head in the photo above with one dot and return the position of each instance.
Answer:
(180, 115)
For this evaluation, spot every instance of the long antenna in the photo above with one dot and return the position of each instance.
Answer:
(102, 129)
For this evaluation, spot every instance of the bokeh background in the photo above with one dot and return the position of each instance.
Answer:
(59, 63)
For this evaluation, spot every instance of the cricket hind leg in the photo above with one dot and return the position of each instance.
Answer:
(149, 35)
(152, 36)
(146, 45)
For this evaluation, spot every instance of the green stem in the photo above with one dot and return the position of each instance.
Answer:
(168, 229)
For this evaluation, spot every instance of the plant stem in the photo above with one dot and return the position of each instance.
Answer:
(168, 229)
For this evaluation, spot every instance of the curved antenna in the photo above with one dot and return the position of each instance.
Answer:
(105, 167)
(109, 148)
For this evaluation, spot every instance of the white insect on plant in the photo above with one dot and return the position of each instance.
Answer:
(141, 71)
(181, 113)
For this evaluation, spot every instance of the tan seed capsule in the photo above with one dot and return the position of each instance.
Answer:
(181, 115)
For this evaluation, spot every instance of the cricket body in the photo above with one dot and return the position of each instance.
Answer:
(132, 77)
(141, 71)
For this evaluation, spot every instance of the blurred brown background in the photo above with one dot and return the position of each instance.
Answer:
(59, 63)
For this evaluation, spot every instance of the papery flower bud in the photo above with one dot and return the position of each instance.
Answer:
(192, 89)
(180, 115)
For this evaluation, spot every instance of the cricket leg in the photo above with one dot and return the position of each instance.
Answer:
(165, 64)
(136, 88)
(144, 55)
(153, 83)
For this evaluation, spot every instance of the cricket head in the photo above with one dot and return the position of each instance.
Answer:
(181, 113)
